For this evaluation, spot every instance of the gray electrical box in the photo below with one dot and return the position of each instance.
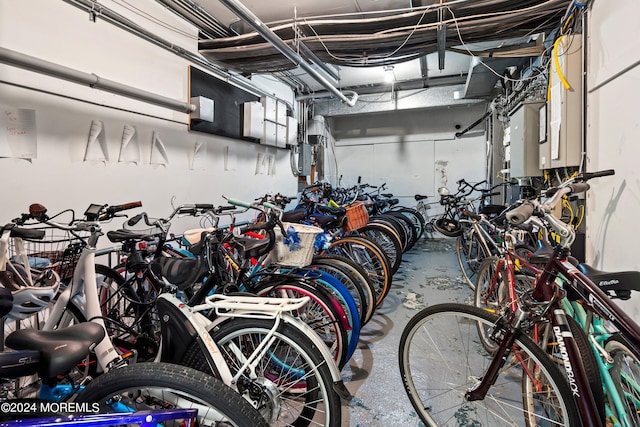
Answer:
(524, 125)
(562, 144)
(304, 160)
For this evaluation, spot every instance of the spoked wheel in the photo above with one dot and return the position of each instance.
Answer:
(150, 386)
(441, 359)
(470, 251)
(290, 383)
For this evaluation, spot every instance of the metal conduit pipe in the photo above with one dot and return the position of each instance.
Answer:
(32, 63)
(120, 21)
(354, 95)
(245, 14)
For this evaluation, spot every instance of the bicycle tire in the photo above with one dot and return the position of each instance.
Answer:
(320, 313)
(357, 274)
(344, 275)
(171, 386)
(394, 223)
(387, 239)
(367, 254)
(491, 292)
(411, 230)
(415, 216)
(625, 372)
(437, 369)
(470, 252)
(302, 385)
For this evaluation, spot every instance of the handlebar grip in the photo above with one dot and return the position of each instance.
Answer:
(225, 208)
(187, 211)
(125, 206)
(134, 220)
(27, 233)
(520, 214)
(589, 175)
(239, 203)
(204, 206)
(579, 187)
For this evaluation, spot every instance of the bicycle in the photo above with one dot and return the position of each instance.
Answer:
(121, 384)
(254, 345)
(485, 386)
(58, 356)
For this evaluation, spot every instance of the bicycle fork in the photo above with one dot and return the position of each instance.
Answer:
(575, 375)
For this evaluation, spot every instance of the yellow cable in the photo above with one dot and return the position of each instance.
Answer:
(556, 60)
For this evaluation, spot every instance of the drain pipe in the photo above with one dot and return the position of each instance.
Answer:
(38, 65)
(245, 14)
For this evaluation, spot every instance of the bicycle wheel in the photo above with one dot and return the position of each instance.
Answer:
(387, 239)
(368, 255)
(324, 315)
(290, 383)
(354, 278)
(441, 358)
(492, 293)
(415, 216)
(625, 372)
(148, 386)
(470, 251)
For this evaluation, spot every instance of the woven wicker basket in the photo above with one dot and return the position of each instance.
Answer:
(357, 216)
(302, 256)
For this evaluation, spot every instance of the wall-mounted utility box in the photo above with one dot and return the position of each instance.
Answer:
(204, 109)
(253, 120)
(304, 159)
(524, 126)
(562, 146)
(292, 131)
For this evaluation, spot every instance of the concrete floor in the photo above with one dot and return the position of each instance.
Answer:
(429, 274)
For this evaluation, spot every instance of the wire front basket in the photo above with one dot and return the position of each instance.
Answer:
(58, 251)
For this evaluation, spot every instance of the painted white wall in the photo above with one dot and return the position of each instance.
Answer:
(411, 159)
(58, 177)
(613, 77)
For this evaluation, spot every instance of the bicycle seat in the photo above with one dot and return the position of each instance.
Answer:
(118, 236)
(615, 284)
(295, 215)
(60, 350)
(253, 248)
(418, 197)
(331, 211)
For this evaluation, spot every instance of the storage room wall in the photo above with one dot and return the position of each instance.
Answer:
(412, 151)
(59, 177)
(613, 90)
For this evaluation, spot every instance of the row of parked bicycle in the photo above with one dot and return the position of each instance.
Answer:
(543, 343)
(271, 309)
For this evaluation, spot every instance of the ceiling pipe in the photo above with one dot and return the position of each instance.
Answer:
(99, 11)
(261, 28)
(317, 61)
(38, 65)
(316, 95)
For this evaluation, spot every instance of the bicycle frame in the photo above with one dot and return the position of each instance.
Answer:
(83, 292)
(195, 324)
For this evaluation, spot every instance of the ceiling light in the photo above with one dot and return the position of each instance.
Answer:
(389, 77)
